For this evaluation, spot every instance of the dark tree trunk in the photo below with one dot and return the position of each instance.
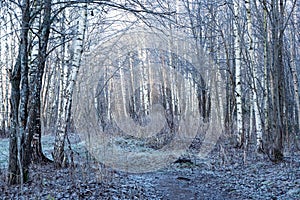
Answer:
(278, 87)
(25, 138)
(37, 72)
(15, 77)
(18, 163)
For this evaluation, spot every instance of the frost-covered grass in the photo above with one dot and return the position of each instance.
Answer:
(4, 144)
(47, 145)
(47, 142)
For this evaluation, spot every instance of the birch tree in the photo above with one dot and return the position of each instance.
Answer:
(238, 83)
(78, 43)
(254, 85)
(135, 7)
(7, 44)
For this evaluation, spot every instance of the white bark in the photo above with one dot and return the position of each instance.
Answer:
(123, 109)
(144, 78)
(238, 87)
(254, 84)
(49, 94)
(266, 91)
(67, 98)
(219, 89)
(109, 100)
(4, 82)
(150, 79)
(132, 81)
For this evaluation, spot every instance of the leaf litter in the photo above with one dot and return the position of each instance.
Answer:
(216, 177)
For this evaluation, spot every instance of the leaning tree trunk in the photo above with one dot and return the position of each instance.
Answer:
(67, 98)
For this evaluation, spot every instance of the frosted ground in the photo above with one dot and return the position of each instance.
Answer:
(222, 176)
(47, 144)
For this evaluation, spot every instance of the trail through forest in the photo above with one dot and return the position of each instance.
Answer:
(223, 175)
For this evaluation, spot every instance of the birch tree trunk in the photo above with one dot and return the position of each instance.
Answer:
(64, 69)
(6, 82)
(266, 72)
(238, 84)
(67, 98)
(258, 124)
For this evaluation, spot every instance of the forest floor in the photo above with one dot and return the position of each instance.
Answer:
(222, 175)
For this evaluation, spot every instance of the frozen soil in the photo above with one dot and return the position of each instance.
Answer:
(223, 175)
